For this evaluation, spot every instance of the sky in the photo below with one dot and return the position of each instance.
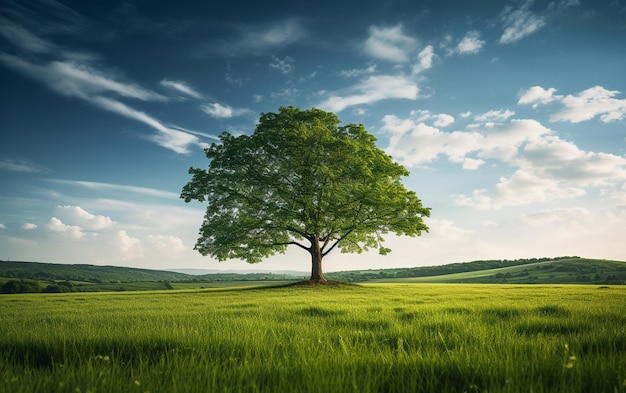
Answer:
(509, 115)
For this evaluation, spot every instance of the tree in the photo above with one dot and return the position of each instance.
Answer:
(301, 179)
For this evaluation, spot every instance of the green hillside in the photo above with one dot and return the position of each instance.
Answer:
(84, 272)
(17, 277)
(558, 271)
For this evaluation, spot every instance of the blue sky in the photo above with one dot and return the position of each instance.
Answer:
(511, 117)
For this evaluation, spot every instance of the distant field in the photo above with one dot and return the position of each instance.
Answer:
(369, 338)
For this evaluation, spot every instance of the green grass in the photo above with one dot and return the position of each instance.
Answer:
(370, 338)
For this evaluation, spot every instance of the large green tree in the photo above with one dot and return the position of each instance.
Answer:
(301, 179)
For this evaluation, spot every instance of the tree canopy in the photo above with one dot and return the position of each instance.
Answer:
(301, 179)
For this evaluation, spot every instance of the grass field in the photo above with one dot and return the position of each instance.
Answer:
(369, 338)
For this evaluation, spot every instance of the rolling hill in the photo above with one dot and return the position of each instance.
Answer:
(52, 277)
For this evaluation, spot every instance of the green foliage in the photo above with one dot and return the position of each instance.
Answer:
(21, 286)
(370, 338)
(301, 179)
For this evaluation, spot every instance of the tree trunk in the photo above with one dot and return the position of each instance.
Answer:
(316, 260)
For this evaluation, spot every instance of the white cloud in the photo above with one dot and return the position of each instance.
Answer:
(545, 166)
(465, 115)
(556, 158)
(596, 101)
(2, 226)
(84, 219)
(589, 103)
(167, 137)
(373, 89)
(493, 115)
(89, 84)
(70, 231)
(181, 87)
(470, 44)
(124, 189)
(389, 43)
(424, 60)
(519, 23)
(521, 188)
(354, 72)
(284, 66)
(537, 95)
(220, 111)
(29, 226)
(172, 244)
(129, 247)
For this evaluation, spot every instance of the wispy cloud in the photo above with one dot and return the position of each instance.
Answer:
(519, 22)
(24, 39)
(221, 111)
(181, 87)
(284, 66)
(78, 80)
(495, 115)
(97, 186)
(91, 85)
(586, 105)
(389, 43)
(258, 39)
(19, 165)
(72, 74)
(373, 89)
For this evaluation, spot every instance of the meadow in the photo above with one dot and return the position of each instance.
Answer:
(365, 338)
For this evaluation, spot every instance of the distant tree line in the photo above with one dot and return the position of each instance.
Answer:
(429, 271)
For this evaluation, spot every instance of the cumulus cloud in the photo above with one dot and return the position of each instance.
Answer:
(537, 95)
(586, 105)
(550, 168)
(521, 188)
(69, 231)
(373, 89)
(415, 143)
(424, 60)
(389, 43)
(470, 44)
(2, 226)
(84, 219)
(129, 247)
(545, 166)
(29, 226)
(172, 244)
